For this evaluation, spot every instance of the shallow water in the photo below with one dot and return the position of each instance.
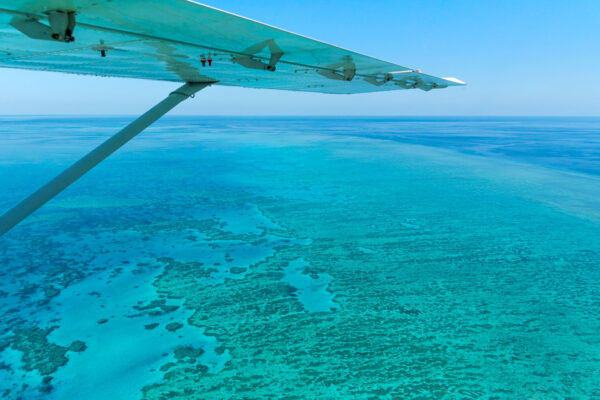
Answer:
(304, 258)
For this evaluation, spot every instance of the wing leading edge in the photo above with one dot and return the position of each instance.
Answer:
(181, 40)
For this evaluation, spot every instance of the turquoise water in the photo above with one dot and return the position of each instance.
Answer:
(304, 258)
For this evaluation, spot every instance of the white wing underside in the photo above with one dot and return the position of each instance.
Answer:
(183, 41)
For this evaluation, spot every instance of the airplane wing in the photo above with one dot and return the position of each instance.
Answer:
(176, 40)
(184, 41)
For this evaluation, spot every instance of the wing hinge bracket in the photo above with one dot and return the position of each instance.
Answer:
(60, 29)
(249, 59)
(380, 79)
(343, 71)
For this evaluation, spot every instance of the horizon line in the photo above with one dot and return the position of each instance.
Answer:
(308, 116)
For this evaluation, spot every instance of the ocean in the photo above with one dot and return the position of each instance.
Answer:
(304, 258)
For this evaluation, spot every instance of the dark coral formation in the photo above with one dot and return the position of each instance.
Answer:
(155, 308)
(173, 326)
(40, 354)
(78, 346)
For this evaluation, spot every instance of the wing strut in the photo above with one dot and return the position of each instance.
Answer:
(93, 158)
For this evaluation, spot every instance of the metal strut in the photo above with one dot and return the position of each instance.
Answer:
(93, 158)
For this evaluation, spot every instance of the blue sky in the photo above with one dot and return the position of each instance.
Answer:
(519, 58)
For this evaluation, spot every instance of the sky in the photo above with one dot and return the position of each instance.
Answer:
(518, 57)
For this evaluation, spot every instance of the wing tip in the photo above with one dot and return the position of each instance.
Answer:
(455, 81)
